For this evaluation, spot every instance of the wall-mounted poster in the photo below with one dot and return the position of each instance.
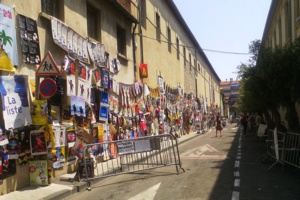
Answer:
(77, 106)
(15, 104)
(38, 144)
(8, 42)
(71, 85)
(7, 166)
(29, 40)
(38, 170)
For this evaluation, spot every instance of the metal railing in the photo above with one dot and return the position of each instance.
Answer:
(285, 148)
(112, 158)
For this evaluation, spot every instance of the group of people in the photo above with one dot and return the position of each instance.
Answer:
(250, 122)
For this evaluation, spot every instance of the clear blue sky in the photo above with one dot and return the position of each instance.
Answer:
(227, 26)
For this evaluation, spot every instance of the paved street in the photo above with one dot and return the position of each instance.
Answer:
(228, 167)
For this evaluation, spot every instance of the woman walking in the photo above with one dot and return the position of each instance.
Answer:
(219, 126)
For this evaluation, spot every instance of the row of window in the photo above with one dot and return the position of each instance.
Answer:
(158, 38)
(277, 37)
(54, 8)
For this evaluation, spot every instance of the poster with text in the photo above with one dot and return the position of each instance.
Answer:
(8, 42)
(15, 105)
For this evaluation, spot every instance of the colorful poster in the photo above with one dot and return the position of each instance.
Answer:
(7, 166)
(82, 71)
(39, 112)
(77, 106)
(38, 144)
(103, 113)
(105, 78)
(38, 170)
(8, 42)
(15, 104)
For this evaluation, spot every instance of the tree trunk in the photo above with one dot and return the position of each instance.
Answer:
(292, 117)
(277, 120)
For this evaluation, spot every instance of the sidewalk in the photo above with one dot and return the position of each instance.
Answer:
(62, 188)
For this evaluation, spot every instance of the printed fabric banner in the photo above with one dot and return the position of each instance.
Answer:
(8, 42)
(15, 104)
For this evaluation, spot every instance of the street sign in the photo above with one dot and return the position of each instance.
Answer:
(48, 66)
(47, 87)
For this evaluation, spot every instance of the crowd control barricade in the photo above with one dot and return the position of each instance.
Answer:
(112, 158)
(291, 153)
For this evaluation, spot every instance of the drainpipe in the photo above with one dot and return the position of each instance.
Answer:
(140, 31)
(134, 51)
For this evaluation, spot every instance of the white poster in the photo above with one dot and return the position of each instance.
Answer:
(71, 86)
(15, 103)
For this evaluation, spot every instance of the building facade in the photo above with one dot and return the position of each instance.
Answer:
(68, 69)
(230, 90)
(282, 28)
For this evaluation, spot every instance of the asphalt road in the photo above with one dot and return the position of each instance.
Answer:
(216, 168)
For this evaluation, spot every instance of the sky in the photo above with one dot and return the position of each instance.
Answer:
(226, 26)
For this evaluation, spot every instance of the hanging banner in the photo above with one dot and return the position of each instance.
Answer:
(8, 42)
(15, 104)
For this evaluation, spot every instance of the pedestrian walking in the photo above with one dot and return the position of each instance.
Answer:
(219, 127)
(244, 122)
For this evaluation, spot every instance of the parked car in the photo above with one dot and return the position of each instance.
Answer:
(224, 121)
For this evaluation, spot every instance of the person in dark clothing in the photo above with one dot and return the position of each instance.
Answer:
(218, 126)
(244, 122)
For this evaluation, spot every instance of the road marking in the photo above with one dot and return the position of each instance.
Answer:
(238, 157)
(203, 157)
(235, 195)
(198, 151)
(148, 194)
(237, 164)
(237, 182)
(236, 174)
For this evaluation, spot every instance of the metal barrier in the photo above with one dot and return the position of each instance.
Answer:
(291, 153)
(112, 158)
(287, 146)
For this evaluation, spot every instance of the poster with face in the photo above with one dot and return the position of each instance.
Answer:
(15, 104)
(71, 136)
(104, 78)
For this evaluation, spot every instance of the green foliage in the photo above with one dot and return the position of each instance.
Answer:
(270, 79)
